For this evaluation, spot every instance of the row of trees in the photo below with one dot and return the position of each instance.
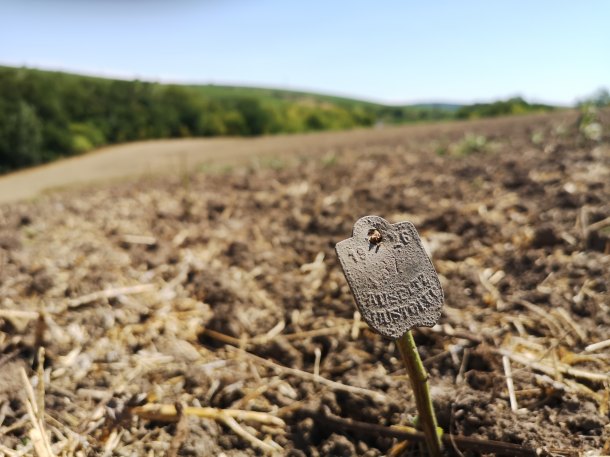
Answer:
(46, 115)
(516, 105)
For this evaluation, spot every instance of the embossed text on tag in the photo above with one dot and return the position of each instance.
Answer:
(392, 278)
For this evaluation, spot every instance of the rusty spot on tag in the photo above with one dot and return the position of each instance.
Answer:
(392, 278)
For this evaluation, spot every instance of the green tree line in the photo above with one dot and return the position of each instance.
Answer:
(515, 105)
(46, 115)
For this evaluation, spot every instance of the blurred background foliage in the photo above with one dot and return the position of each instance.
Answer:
(508, 107)
(46, 115)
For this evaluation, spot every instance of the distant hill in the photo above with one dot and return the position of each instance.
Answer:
(452, 107)
(45, 115)
(284, 97)
(277, 95)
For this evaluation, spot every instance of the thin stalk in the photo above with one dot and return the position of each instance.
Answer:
(419, 382)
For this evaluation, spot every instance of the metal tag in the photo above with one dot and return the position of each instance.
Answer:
(392, 278)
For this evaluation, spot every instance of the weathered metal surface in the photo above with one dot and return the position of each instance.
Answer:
(392, 278)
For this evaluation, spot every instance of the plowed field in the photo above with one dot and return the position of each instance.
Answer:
(203, 311)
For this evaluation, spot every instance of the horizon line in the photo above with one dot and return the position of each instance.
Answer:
(130, 76)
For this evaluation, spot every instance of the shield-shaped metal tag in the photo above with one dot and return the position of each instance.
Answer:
(392, 278)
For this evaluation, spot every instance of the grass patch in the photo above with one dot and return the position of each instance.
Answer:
(470, 144)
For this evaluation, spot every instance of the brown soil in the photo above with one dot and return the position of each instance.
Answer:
(514, 213)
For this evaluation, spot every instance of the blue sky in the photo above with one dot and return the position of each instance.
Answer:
(389, 51)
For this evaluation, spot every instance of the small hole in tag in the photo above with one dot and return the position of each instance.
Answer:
(374, 236)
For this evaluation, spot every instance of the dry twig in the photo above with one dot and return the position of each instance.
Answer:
(509, 384)
(230, 422)
(311, 377)
(37, 433)
(598, 346)
(559, 367)
(109, 293)
(408, 433)
(161, 412)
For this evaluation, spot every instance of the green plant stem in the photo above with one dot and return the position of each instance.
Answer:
(419, 382)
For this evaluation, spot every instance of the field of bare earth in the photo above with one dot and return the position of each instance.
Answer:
(194, 304)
